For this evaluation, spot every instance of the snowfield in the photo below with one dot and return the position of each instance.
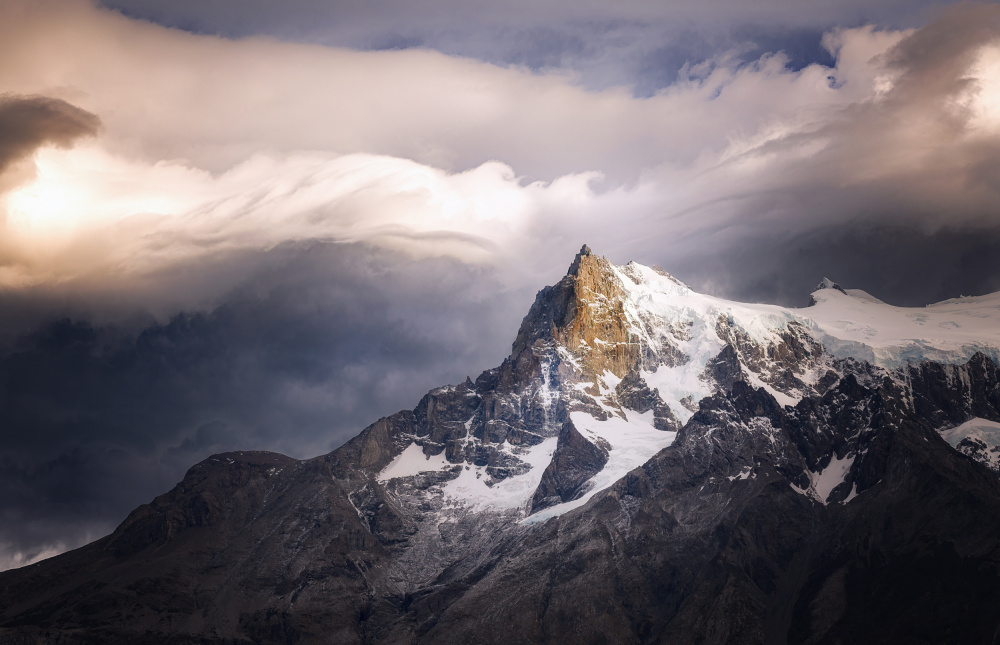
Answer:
(633, 442)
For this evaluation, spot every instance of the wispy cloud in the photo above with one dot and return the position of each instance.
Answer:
(212, 146)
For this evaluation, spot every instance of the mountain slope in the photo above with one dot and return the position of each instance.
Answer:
(648, 465)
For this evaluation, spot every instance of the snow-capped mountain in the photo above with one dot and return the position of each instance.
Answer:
(649, 464)
(615, 359)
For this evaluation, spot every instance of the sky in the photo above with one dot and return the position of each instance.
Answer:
(242, 224)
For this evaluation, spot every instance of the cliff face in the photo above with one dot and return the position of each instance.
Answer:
(574, 462)
(648, 465)
(577, 332)
(588, 316)
(709, 542)
(585, 315)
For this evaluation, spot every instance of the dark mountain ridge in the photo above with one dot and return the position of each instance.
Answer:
(807, 497)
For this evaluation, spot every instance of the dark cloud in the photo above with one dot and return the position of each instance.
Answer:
(940, 53)
(347, 19)
(681, 50)
(900, 265)
(802, 46)
(632, 43)
(98, 418)
(27, 122)
(661, 66)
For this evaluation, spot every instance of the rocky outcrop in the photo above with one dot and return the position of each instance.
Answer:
(710, 542)
(574, 462)
(595, 325)
(780, 364)
(442, 414)
(633, 393)
(947, 395)
(376, 445)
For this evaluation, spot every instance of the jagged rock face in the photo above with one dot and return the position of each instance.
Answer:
(708, 542)
(950, 394)
(575, 332)
(595, 326)
(633, 393)
(574, 462)
(441, 415)
(780, 364)
(648, 465)
(377, 444)
(585, 314)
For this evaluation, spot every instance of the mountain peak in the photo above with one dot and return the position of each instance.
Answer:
(584, 313)
(827, 283)
(574, 268)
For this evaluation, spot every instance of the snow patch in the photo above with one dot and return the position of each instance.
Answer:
(608, 382)
(743, 474)
(858, 325)
(977, 430)
(782, 398)
(822, 483)
(848, 323)
(633, 442)
(830, 477)
(412, 461)
(469, 489)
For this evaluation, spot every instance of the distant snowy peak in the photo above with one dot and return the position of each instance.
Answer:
(827, 283)
(847, 323)
(855, 324)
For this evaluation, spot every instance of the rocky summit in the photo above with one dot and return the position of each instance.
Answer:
(649, 465)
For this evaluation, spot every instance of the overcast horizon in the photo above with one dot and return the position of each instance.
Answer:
(241, 225)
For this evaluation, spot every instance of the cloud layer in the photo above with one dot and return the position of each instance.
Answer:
(262, 141)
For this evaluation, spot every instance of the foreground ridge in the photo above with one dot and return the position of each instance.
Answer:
(649, 464)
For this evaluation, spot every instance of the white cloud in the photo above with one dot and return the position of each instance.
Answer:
(212, 146)
(89, 213)
(165, 94)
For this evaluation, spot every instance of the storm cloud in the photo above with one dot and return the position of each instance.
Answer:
(320, 341)
(239, 241)
(631, 42)
(29, 122)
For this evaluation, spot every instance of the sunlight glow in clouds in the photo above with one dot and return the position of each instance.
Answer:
(983, 97)
(260, 142)
(149, 216)
(87, 188)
